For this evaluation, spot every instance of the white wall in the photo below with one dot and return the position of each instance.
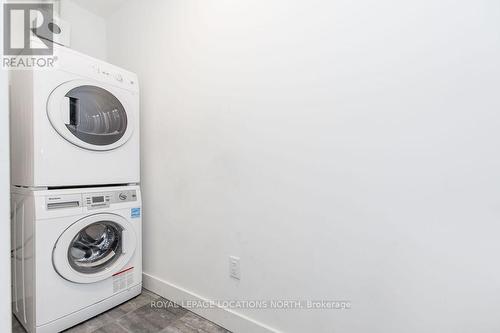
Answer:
(5, 310)
(88, 30)
(343, 149)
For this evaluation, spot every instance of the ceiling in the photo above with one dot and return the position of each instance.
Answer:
(102, 8)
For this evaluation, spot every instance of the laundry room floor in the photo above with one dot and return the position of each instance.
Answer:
(137, 315)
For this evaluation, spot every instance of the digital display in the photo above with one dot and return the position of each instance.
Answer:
(97, 199)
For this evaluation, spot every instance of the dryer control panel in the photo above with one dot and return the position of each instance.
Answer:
(104, 199)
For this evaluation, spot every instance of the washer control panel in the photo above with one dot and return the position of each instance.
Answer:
(104, 199)
(124, 196)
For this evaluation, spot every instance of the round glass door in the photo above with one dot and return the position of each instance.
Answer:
(95, 247)
(92, 115)
(96, 116)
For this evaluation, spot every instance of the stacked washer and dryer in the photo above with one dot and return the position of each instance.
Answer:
(76, 201)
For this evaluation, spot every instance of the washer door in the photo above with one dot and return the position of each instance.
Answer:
(89, 115)
(94, 248)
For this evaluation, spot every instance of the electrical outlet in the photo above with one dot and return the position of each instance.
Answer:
(234, 268)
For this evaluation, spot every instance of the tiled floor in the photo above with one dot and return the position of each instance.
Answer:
(138, 316)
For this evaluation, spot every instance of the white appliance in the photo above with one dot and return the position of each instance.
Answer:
(75, 124)
(77, 253)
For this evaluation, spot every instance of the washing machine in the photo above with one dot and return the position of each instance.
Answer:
(74, 124)
(76, 253)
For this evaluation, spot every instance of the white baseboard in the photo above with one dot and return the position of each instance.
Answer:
(228, 319)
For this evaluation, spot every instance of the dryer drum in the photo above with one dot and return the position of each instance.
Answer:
(96, 116)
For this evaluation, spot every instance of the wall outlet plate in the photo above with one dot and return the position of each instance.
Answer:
(234, 268)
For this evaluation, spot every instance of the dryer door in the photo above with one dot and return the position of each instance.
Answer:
(91, 115)
(94, 248)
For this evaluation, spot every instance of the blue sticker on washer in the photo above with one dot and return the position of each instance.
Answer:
(135, 213)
